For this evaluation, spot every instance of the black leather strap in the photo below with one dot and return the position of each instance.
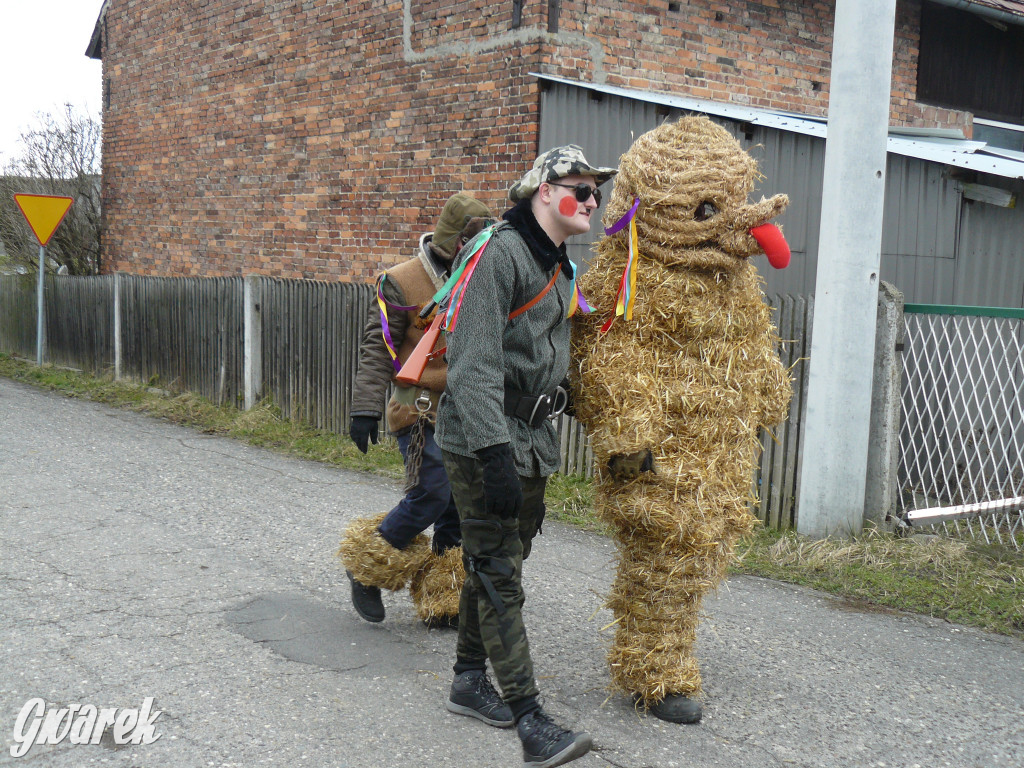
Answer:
(533, 409)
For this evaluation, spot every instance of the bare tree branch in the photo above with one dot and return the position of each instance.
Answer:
(60, 156)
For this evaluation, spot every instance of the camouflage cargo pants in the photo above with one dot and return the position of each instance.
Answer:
(493, 550)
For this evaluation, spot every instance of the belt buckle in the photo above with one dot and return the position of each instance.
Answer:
(558, 408)
(546, 399)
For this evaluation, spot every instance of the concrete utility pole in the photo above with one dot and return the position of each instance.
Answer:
(836, 429)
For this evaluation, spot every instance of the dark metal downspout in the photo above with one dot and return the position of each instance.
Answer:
(553, 15)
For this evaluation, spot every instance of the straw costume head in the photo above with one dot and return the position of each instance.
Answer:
(692, 179)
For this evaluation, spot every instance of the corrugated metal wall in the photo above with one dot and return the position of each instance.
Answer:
(936, 248)
(990, 261)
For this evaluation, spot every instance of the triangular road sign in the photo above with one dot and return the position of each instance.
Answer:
(44, 213)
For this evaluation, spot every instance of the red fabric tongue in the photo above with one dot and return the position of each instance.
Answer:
(774, 245)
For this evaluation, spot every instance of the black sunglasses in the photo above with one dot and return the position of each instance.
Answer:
(583, 191)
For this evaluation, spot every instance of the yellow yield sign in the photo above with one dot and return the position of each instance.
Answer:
(44, 213)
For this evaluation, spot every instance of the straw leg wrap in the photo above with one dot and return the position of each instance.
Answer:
(437, 586)
(374, 562)
(659, 588)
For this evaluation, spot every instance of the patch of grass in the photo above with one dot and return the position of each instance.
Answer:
(974, 585)
(980, 586)
(570, 499)
(262, 426)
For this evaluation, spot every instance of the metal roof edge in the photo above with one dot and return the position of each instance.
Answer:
(962, 153)
(95, 48)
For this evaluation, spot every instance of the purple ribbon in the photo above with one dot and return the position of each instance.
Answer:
(619, 225)
(385, 327)
(380, 292)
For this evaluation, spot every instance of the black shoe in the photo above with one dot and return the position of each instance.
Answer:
(366, 600)
(545, 743)
(677, 708)
(472, 694)
(442, 622)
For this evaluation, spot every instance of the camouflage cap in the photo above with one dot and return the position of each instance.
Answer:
(555, 164)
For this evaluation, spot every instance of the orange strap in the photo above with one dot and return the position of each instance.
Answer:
(516, 313)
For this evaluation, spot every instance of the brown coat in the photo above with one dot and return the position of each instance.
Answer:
(411, 283)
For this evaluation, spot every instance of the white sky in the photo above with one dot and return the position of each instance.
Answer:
(43, 63)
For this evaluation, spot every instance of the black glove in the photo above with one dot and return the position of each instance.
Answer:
(503, 493)
(362, 430)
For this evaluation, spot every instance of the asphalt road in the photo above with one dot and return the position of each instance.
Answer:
(140, 559)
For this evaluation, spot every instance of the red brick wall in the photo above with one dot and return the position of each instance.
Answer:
(768, 54)
(319, 138)
(299, 142)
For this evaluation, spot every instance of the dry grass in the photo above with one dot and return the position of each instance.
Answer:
(960, 581)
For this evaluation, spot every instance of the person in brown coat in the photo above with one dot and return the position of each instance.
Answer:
(389, 551)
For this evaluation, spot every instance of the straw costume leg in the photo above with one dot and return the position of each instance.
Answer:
(437, 586)
(372, 562)
(670, 556)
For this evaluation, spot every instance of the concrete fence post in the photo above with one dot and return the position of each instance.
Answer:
(886, 400)
(117, 327)
(253, 355)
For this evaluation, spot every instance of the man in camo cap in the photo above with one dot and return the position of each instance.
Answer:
(507, 356)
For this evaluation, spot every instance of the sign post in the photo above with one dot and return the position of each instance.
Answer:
(44, 213)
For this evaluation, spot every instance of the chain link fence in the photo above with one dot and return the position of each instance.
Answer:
(962, 436)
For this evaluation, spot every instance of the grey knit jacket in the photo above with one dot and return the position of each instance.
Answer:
(488, 353)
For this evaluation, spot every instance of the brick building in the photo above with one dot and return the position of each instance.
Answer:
(317, 138)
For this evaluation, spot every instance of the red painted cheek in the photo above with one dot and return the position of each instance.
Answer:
(568, 206)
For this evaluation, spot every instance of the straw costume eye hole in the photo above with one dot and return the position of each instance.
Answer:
(705, 211)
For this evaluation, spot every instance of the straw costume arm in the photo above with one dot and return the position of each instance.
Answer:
(613, 398)
(777, 390)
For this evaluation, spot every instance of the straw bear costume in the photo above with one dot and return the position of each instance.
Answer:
(674, 397)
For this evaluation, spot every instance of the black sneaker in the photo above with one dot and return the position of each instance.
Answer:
(678, 708)
(472, 694)
(545, 743)
(366, 600)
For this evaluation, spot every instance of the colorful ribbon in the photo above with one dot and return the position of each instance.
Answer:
(626, 295)
(578, 302)
(477, 245)
(454, 290)
(455, 287)
(385, 328)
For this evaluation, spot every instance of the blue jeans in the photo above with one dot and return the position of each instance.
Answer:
(428, 503)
